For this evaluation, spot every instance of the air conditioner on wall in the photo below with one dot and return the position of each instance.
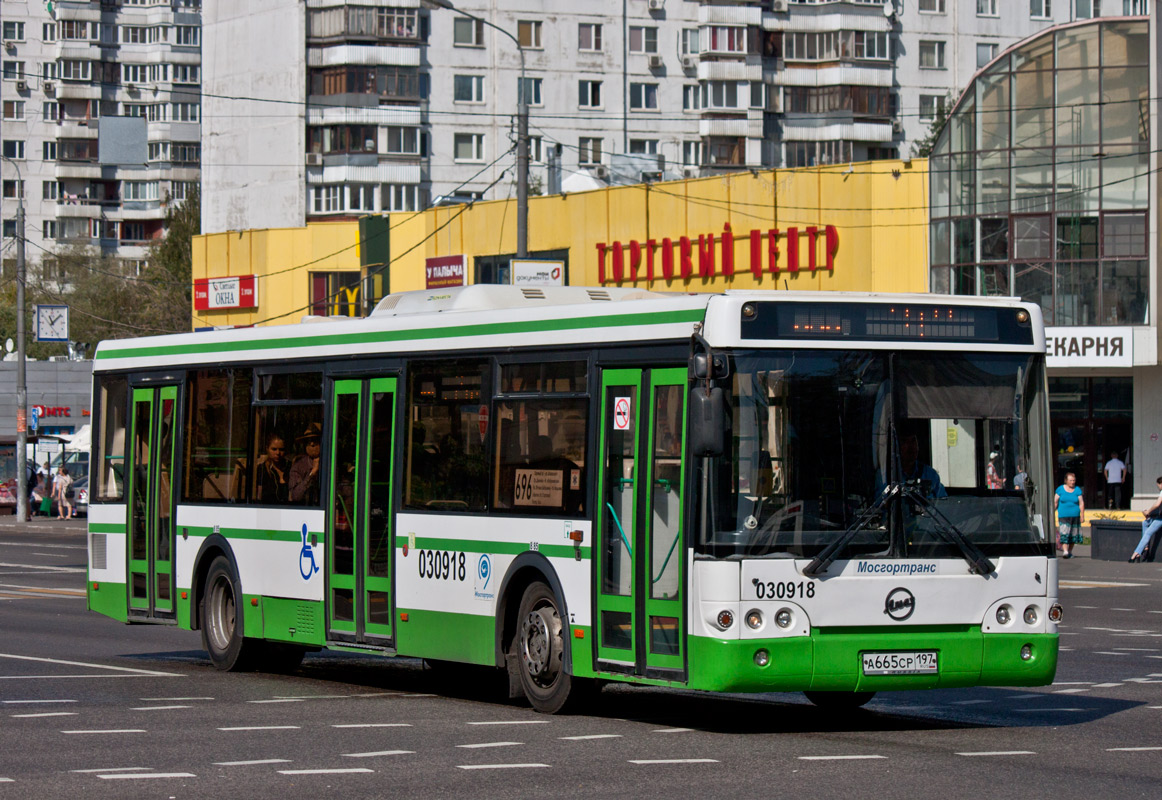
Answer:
(655, 62)
(49, 87)
(690, 171)
(601, 171)
(22, 86)
(314, 159)
(689, 62)
(778, 5)
(656, 5)
(897, 126)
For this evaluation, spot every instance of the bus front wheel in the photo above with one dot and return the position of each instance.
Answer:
(840, 701)
(222, 627)
(539, 646)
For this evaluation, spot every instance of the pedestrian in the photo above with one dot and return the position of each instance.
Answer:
(1070, 507)
(1150, 525)
(60, 488)
(1020, 478)
(1115, 474)
(992, 475)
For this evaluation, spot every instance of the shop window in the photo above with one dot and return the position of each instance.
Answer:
(1033, 283)
(1032, 238)
(217, 434)
(447, 462)
(1125, 287)
(994, 239)
(335, 294)
(1075, 290)
(1076, 237)
(1123, 235)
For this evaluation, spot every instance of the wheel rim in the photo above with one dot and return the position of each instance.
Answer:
(541, 644)
(221, 622)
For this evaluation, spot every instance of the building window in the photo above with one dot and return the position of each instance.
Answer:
(185, 112)
(326, 199)
(931, 6)
(76, 70)
(468, 88)
(726, 39)
(13, 148)
(334, 294)
(720, 94)
(689, 42)
(528, 33)
(13, 70)
(185, 73)
(648, 147)
(531, 89)
(986, 8)
(400, 197)
(1040, 9)
(692, 153)
(138, 190)
(931, 55)
(13, 189)
(49, 229)
(536, 144)
(643, 40)
(48, 32)
(468, 147)
(643, 96)
(189, 35)
(50, 190)
(14, 109)
(49, 151)
(467, 32)
(985, 52)
(48, 70)
(403, 141)
(361, 197)
(590, 151)
(589, 36)
(133, 232)
(9, 229)
(589, 94)
(13, 31)
(691, 97)
(343, 139)
(930, 106)
(869, 45)
(1124, 235)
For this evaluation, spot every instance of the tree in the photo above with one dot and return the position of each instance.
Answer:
(922, 148)
(168, 278)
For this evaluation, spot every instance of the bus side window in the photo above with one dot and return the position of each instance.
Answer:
(540, 455)
(110, 455)
(217, 433)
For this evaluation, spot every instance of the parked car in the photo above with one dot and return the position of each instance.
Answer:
(78, 495)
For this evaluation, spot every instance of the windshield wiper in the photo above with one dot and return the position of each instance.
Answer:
(821, 562)
(977, 560)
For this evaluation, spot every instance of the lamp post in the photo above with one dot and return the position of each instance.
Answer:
(522, 133)
(21, 384)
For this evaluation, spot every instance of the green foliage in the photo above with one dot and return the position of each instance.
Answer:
(922, 148)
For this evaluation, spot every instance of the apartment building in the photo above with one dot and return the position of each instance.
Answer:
(101, 121)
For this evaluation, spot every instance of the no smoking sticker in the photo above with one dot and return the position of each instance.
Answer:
(621, 413)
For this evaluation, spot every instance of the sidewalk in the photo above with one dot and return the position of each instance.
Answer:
(44, 524)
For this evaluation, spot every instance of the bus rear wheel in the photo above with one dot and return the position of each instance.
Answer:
(840, 701)
(539, 646)
(222, 626)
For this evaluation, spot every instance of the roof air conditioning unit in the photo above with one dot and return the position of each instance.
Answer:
(49, 87)
(689, 62)
(778, 6)
(314, 159)
(655, 62)
(22, 86)
(656, 5)
(601, 171)
(690, 171)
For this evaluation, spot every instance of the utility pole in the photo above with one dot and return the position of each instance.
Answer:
(522, 133)
(21, 383)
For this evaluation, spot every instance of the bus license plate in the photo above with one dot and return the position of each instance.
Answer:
(907, 662)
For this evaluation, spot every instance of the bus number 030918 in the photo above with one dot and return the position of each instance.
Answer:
(783, 590)
(442, 565)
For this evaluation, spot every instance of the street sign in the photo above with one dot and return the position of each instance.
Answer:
(34, 418)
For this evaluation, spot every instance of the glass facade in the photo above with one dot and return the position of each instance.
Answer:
(1040, 180)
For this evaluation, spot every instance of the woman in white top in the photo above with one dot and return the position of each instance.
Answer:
(60, 488)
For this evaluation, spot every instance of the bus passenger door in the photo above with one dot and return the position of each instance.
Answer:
(641, 556)
(359, 524)
(150, 522)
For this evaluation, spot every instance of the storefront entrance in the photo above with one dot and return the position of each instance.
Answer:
(1092, 418)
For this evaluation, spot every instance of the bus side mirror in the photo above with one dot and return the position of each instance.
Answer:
(707, 421)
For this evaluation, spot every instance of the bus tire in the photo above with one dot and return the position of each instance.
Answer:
(840, 701)
(538, 646)
(222, 621)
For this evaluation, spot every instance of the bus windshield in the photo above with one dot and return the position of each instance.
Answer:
(888, 450)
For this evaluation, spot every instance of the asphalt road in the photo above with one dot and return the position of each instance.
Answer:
(90, 708)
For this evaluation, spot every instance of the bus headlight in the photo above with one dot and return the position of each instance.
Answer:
(784, 618)
(725, 619)
(1004, 615)
(1030, 615)
(1055, 612)
(754, 619)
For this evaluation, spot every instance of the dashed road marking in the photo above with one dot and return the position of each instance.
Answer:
(130, 776)
(590, 736)
(378, 753)
(839, 758)
(128, 670)
(1131, 749)
(1108, 653)
(163, 699)
(1072, 691)
(45, 714)
(263, 728)
(337, 771)
(114, 730)
(279, 700)
(500, 766)
(490, 744)
(373, 725)
(252, 763)
(112, 769)
(514, 722)
(674, 761)
(21, 702)
(999, 753)
(158, 708)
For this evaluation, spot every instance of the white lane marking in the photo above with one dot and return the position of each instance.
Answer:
(46, 546)
(130, 670)
(263, 728)
(87, 677)
(112, 769)
(54, 555)
(1153, 656)
(838, 758)
(158, 708)
(1028, 696)
(16, 702)
(499, 766)
(279, 700)
(380, 753)
(7, 780)
(1044, 710)
(374, 725)
(1073, 683)
(1059, 583)
(313, 696)
(170, 699)
(1108, 653)
(114, 730)
(969, 702)
(672, 730)
(343, 771)
(514, 722)
(44, 568)
(45, 714)
(1000, 753)
(1123, 609)
(1139, 649)
(673, 761)
(491, 744)
(1131, 749)
(1094, 585)
(1072, 691)
(252, 763)
(1106, 685)
(590, 736)
(129, 776)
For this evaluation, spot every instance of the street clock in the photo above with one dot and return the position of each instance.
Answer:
(52, 323)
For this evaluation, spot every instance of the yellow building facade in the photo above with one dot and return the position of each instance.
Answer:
(860, 227)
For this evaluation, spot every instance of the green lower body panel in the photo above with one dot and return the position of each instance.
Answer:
(288, 620)
(108, 599)
(830, 660)
(443, 635)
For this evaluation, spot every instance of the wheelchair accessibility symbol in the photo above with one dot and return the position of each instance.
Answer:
(307, 565)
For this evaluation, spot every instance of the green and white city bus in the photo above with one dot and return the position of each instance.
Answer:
(740, 492)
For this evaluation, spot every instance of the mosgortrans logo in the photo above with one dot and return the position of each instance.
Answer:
(899, 604)
(895, 568)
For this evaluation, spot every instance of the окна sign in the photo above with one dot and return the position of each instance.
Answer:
(1089, 347)
(221, 293)
(810, 248)
(444, 271)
